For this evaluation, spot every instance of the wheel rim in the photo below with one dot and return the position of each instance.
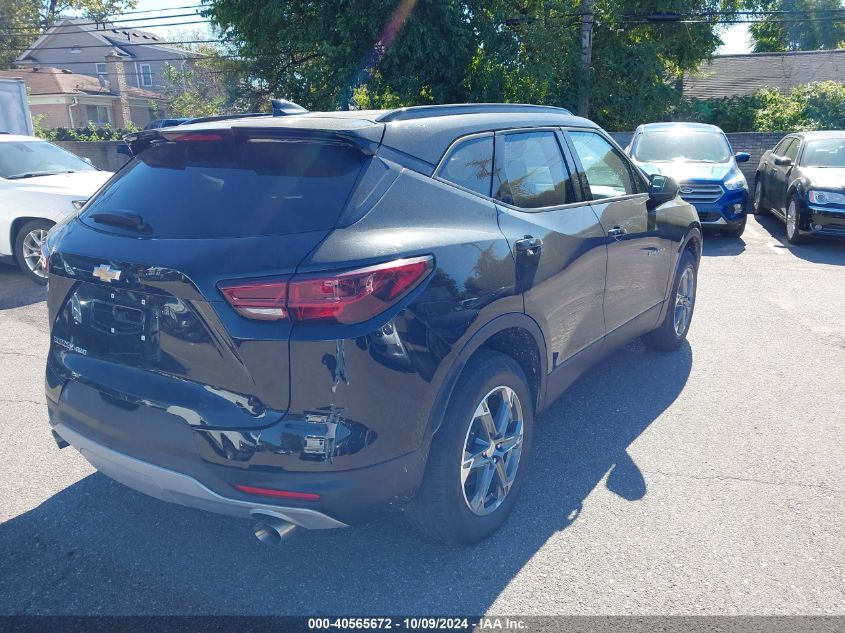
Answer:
(492, 448)
(32, 251)
(758, 196)
(791, 220)
(684, 301)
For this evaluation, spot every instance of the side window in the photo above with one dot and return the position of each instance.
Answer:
(470, 165)
(792, 150)
(530, 171)
(781, 147)
(607, 172)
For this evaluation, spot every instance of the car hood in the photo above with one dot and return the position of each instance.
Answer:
(683, 171)
(80, 184)
(825, 177)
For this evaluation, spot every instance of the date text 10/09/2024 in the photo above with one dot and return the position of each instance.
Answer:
(416, 624)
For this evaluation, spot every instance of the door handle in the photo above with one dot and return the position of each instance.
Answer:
(529, 245)
(617, 232)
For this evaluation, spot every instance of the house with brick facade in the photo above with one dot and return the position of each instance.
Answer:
(60, 98)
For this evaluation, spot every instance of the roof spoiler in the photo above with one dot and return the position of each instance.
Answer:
(283, 107)
(366, 140)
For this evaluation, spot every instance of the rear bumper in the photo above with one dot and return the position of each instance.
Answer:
(157, 453)
(171, 486)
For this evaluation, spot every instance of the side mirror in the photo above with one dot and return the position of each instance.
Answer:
(662, 189)
(123, 149)
(742, 157)
(88, 160)
(783, 161)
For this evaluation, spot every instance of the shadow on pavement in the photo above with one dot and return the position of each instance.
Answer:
(818, 250)
(718, 245)
(16, 290)
(99, 548)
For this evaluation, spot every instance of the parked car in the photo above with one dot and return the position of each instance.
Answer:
(39, 185)
(306, 319)
(700, 158)
(802, 182)
(159, 123)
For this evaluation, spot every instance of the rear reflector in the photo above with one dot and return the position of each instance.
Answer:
(350, 297)
(281, 494)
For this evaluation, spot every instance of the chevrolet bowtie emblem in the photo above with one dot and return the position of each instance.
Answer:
(106, 273)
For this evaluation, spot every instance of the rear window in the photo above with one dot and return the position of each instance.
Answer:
(227, 189)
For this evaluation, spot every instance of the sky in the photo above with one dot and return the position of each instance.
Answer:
(735, 37)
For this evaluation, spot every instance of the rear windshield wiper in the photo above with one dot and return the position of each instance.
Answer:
(127, 220)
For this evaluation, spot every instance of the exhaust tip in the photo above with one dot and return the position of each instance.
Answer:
(272, 530)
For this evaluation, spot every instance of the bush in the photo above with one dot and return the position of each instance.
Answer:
(814, 106)
(90, 132)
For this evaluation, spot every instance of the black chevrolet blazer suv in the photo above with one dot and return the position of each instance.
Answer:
(308, 318)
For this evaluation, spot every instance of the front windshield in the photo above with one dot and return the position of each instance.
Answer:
(26, 159)
(829, 152)
(682, 145)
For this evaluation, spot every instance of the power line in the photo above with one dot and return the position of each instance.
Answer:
(57, 28)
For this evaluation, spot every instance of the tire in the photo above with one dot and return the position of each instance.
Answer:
(793, 223)
(757, 200)
(737, 231)
(667, 337)
(28, 249)
(441, 507)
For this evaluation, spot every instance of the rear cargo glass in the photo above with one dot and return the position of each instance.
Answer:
(227, 189)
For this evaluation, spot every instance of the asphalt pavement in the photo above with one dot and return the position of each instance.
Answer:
(704, 481)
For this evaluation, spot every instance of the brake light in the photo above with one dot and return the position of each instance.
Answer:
(350, 297)
(282, 494)
(194, 137)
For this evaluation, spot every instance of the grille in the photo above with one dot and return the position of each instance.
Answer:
(700, 193)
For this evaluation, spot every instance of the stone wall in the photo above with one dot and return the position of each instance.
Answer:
(102, 153)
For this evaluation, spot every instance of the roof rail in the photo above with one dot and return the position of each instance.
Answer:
(447, 109)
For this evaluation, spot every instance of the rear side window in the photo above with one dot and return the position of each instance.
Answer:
(531, 172)
(470, 165)
(227, 189)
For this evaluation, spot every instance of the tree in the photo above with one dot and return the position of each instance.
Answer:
(799, 25)
(381, 53)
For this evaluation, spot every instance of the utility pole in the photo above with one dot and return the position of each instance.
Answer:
(587, 22)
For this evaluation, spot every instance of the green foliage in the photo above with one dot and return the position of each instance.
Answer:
(90, 132)
(808, 28)
(332, 54)
(816, 106)
(188, 95)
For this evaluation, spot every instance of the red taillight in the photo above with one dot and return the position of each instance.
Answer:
(347, 298)
(262, 300)
(282, 494)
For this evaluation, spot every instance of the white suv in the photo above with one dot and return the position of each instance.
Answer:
(39, 185)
